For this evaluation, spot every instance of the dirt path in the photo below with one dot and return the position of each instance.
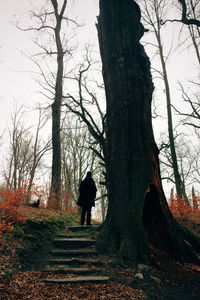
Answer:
(74, 258)
(76, 271)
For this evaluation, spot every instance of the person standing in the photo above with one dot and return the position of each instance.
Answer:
(87, 195)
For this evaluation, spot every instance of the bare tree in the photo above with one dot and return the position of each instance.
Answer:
(192, 39)
(17, 158)
(191, 117)
(186, 8)
(195, 176)
(50, 25)
(186, 155)
(25, 154)
(87, 103)
(152, 12)
(132, 152)
(39, 149)
(77, 157)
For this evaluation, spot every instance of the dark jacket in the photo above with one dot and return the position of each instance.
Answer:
(87, 192)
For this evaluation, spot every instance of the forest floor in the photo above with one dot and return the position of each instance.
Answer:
(165, 279)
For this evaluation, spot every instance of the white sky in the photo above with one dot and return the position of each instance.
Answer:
(16, 83)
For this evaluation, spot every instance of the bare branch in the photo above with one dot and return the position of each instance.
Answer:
(184, 18)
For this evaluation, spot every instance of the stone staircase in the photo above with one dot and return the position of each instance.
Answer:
(74, 255)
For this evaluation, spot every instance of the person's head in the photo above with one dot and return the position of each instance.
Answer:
(89, 174)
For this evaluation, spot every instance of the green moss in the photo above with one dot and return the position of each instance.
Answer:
(31, 237)
(38, 237)
(17, 230)
(7, 273)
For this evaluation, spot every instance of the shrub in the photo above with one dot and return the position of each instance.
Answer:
(9, 214)
(181, 209)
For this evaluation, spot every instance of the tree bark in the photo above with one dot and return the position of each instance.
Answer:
(54, 198)
(132, 155)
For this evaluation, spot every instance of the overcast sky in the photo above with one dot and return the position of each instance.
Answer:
(15, 80)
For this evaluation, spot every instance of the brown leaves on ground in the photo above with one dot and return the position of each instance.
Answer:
(29, 285)
(165, 279)
(8, 255)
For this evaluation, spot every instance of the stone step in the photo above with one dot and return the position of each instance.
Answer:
(70, 243)
(75, 261)
(83, 228)
(74, 252)
(74, 235)
(79, 279)
(68, 270)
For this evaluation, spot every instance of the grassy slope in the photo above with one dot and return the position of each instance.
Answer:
(165, 279)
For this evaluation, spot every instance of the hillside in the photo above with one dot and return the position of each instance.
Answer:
(22, 254)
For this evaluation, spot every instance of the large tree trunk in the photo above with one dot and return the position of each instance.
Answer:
(132, 157)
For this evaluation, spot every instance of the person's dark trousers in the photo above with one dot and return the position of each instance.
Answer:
(86, 210)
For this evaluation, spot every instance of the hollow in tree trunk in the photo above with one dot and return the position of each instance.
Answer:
(132, 155)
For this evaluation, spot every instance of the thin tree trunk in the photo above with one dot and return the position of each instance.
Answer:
(177, 177)
(55, 191)
(194, 201)
(194, 40)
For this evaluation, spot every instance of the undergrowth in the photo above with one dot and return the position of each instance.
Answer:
(38, 237)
